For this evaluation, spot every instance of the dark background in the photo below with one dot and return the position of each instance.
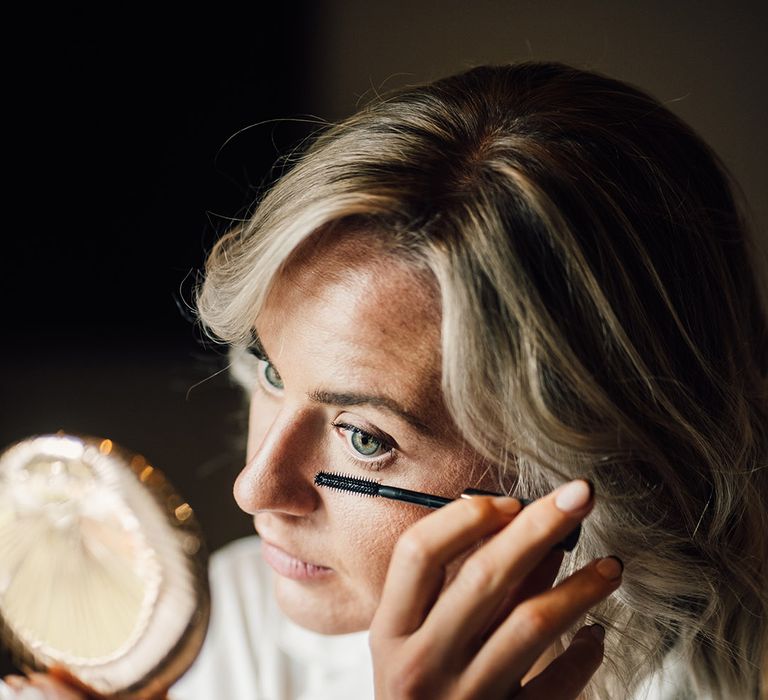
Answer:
(126, 165)
(132, 142)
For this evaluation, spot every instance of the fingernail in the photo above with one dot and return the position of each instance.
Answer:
(574, 495)
(610, 568)
(507, 505)
(597, 631)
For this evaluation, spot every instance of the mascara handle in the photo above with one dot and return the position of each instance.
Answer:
(422, 499)
(568, 543)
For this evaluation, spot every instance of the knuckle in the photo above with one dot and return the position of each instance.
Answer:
(535, 620)
(409, 677)
(478, 575)
(413, 548)
(408, 686)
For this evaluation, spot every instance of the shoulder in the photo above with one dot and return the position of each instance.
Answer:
(252, 650)
(239, 579)
(241, 590)
(227, 665)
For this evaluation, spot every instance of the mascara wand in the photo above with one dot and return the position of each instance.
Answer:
(367, 487)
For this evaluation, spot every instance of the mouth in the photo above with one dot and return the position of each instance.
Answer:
(292, 567)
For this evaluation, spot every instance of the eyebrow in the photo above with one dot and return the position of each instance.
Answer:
(347, 399)
(334, 398)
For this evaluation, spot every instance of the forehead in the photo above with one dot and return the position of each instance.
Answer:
(353, 303)
(384, 295)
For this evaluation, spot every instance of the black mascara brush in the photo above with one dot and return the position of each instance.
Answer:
(366, 487)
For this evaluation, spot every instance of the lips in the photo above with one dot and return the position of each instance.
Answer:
(289, 565)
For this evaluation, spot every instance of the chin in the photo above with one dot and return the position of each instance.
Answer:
(312, 611)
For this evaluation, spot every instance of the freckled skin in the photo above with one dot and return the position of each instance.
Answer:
(347, 318)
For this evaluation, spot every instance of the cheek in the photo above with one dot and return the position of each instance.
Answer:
(373, 526)
(371, 529)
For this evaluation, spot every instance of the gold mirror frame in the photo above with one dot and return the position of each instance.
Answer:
(103, 567)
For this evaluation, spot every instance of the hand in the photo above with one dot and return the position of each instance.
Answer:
(57, 684)
(42, 685)
(480, 636)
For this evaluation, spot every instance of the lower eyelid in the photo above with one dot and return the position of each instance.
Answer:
(373, 465)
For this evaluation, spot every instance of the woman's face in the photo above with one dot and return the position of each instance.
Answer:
(343, 323)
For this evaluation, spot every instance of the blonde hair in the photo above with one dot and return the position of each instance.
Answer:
(601, 318)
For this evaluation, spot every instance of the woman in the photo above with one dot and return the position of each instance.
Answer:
(538, 276)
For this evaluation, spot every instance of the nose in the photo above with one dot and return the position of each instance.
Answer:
(283, 457)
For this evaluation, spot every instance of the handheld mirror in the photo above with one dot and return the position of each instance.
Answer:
(103, 568)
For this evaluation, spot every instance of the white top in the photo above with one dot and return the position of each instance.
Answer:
(254, 652)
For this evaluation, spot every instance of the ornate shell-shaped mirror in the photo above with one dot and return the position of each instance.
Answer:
(103, 568)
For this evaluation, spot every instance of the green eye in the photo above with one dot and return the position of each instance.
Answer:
(272, 376)
(364, 443)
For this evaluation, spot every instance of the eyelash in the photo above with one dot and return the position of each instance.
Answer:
(372, 464)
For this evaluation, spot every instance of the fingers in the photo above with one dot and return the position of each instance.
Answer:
(500, 613)
(534, 624)
(417, 568)
(19, 688)
(540, 579)
(41, 686)
(14, 687)
(467, 606)
(569, 673)
(54, 689)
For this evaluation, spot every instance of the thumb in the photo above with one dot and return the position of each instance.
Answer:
(53, 688)
(37, 686)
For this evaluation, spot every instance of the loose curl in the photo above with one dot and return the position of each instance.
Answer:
(602, 317)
